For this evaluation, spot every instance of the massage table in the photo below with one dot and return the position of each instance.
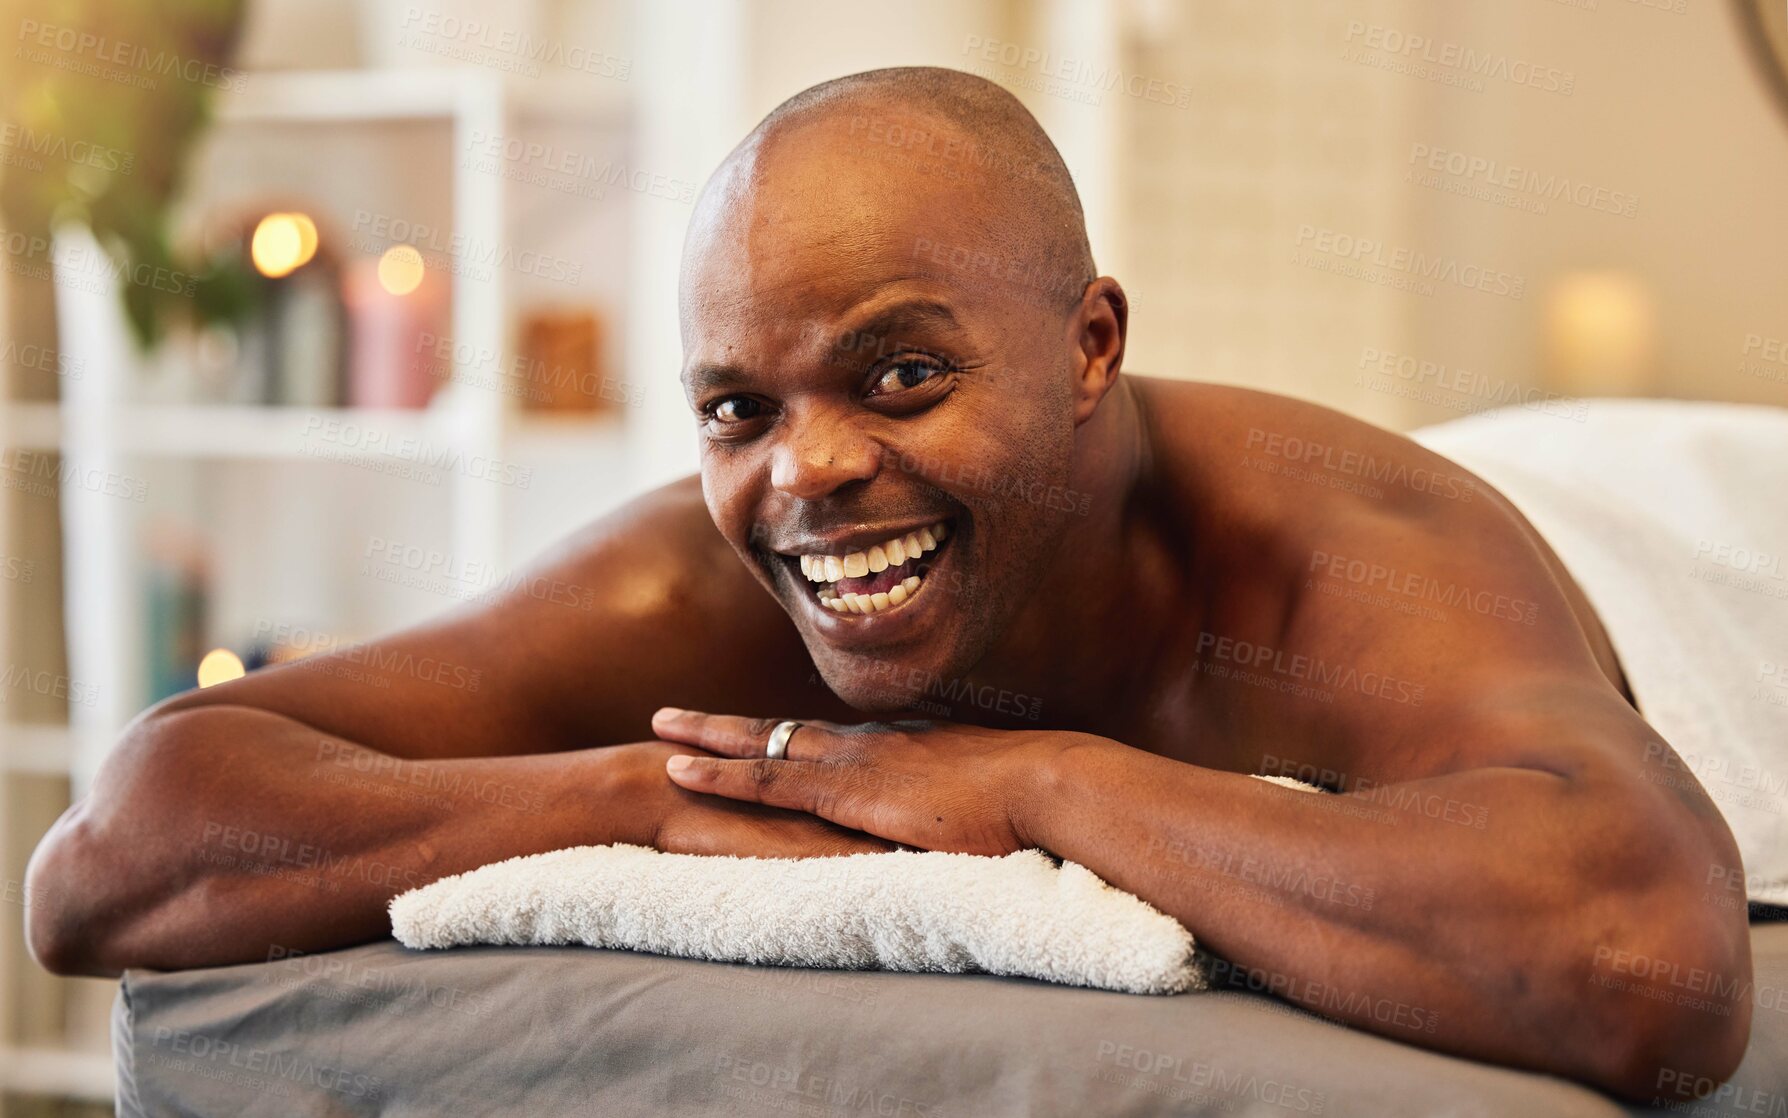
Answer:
(548, 1031)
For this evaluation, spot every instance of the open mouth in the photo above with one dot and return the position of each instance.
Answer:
(877, 579)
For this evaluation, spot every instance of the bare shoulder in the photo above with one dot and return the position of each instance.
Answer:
(1386, 605)
(666, 615)
(643, 608)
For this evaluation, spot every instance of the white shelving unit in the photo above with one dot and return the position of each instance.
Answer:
(101, 432)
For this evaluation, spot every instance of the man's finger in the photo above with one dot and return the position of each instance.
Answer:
(735, 736)
(799, 785)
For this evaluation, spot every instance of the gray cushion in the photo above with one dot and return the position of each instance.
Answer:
(379, 1029)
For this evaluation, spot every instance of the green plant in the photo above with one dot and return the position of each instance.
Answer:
(103, 102)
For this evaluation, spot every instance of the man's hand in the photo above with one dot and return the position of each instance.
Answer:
(681, 822)
(933, 785)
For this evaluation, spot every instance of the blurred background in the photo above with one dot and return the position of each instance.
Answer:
(320, 317)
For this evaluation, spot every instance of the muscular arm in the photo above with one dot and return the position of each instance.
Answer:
(1554, 918)
(286, 808)
(1518, 868)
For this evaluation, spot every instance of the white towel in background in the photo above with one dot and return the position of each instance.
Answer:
(1673, 518)
(1021, 915)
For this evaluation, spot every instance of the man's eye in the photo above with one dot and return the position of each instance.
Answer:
(735, 409)
(904, 375)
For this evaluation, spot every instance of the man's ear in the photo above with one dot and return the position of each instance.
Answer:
(1099, 326)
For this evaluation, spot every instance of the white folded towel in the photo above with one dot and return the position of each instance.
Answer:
(1021, 914)
(906, 911)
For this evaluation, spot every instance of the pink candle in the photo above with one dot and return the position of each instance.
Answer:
(393, 338)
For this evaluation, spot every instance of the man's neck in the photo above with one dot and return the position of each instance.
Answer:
(1112, 590)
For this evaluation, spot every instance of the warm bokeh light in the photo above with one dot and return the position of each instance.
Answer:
(307, 237)
(1600, 334)
(220, 665)
(283, 243)
(400, 269)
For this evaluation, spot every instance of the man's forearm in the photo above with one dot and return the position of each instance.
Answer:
(220, 834)
(1454, 912)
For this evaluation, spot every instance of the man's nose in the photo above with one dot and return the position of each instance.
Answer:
(818, 454)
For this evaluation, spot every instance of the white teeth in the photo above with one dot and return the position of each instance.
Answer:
(857, 564)
(871, 603)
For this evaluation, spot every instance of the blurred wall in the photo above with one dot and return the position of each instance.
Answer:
(1669, 107)
(1270, 224)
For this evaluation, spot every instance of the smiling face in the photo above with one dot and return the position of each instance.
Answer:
(884, 378)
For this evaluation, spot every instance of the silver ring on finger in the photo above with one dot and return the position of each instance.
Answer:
(778, 747)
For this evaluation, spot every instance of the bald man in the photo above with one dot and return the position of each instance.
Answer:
(1085, 606)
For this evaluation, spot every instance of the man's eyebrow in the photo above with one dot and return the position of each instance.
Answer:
(709, 378)
(910, 314)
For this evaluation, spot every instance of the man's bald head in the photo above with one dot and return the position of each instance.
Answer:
(964, 139)
(891, 324)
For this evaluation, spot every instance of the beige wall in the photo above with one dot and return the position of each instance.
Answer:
(1668, 107)
(1299, 119)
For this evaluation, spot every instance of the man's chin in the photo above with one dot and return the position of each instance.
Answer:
(883, 686)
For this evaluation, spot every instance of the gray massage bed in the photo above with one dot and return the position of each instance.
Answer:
(379, 1029)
